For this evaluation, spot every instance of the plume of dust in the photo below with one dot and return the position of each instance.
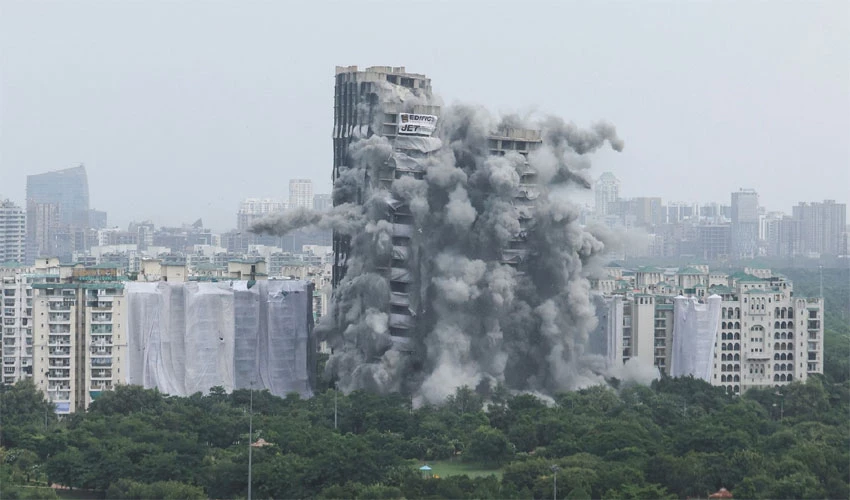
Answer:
(498, 282)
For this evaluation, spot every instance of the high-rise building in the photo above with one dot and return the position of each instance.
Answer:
(360, 113)
(13, 230)
(80, 336)
(821, 227)
(16, 282)
(97, 219)
(300, 193)
(322, 202)
(745, 223)
(253, 209)
(607, 191)
(372, 102)
(68, 192)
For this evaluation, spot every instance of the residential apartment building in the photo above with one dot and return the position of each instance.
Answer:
(606, 191)
(300, 193)
(79, 336)
(759, 335)
(13, 231)
(16, 315)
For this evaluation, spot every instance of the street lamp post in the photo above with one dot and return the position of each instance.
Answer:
(250, 437)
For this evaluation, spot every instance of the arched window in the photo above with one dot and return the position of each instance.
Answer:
(776, 367)
(722, 357)
(737, 347)
(790, 357)
(723, 346)
(789, 377)
(776, 357)
(737, 357)
(782, 357)
(790, 336)
(737, 315)
(776, 346)
(737, 389)
(737, 368)
(776, 312)
(723, 378)
(776, 378)
(782, 313)
(776, 324)
(784, 346)
(776, 335)
(782, 378)
(737, 325)
(737, 378)
(790, 313)
(723, 368)
(737, 336)
(784, 325)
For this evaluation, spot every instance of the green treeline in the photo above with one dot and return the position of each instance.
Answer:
(677, 438)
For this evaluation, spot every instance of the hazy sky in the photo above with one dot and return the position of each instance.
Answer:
(180, 109)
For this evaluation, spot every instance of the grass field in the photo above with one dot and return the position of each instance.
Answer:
(445, 468)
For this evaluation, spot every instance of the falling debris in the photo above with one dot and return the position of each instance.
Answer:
(460, 268)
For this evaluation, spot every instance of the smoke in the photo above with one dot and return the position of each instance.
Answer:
(462, 267)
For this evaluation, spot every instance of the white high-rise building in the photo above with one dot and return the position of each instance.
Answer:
(300, 193)
(13, 231)
(16, 284)
(252, 209)
(80, 336)
(607, 191)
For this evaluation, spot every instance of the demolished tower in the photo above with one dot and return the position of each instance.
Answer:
(459, 259)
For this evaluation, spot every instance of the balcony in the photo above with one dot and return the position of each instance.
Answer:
(101, 374)
(59, 351)
(59, 395)
(59, 374)
(102, 362)
(757, 356)
(59, 363)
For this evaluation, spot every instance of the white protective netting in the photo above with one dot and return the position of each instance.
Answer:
(694, 335)
(188, 337)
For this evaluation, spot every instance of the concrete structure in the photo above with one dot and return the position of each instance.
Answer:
(253, 209)
(759, 334)
(607, 191)
(300, 194)
(360, 112)
(745, 223)
(67, 191)
(821, 227)
(80, 337)
(13, 231)
(322, 202)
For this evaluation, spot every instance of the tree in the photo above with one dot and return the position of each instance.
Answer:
(489, 446)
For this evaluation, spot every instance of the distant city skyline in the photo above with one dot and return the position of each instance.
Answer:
(709, 97)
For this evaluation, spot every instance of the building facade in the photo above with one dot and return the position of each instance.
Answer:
(301, 193)
(760, 334)
(821, 227)
(60, 229)
(607, 191)
(745, 223)
(13, 231)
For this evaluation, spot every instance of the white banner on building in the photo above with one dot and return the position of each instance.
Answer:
(413, 124)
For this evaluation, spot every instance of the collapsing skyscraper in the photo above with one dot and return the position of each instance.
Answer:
(399, 106)
(459, 259)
